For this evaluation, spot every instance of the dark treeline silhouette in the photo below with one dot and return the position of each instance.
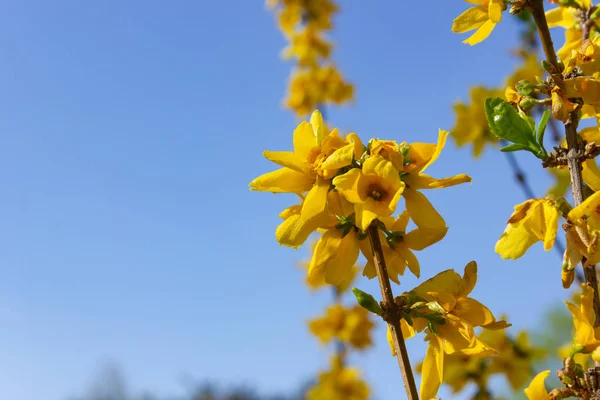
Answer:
(110, 384)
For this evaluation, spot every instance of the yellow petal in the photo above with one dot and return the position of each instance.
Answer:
(433, 368)
(469, 279)
(587, 208)
(349, 185)
(561, 16)
(400, 224)
(442, 136)
(421, 238)
(422, 212)
(294, 231)
(584, 332)
(585, 87)
(304, 140)
(591, 174)
(551, 215)
(364, 216)
(587, 301)
(334, 256)
(447, 281)
(391, 341)
(591, 133)
(536, 389)
(283, 180)
(515, 241)
(407, 330)
(316, 121)
(359, 147)
(383, 168)
(287, 159)
(340, 158)
(424, 181)
(497, 325)
(473, 312)
(495, 10)
(409, 259)
(315, 203)
(457, 334)
(469, 20)
(481, 34)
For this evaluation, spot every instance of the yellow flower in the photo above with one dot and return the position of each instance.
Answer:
(482, 17)
(307, 169)
(352, 326)
(583, 320)
(454, 333)
(418, 158)
(308, 47)
(314, 86)
(515, 356)
(374, 190)
(314, 14)
(536, 389)
(460, 369)
(317, 281)
(339, 383)
(532, 221)
(334, 256)
(471, 125)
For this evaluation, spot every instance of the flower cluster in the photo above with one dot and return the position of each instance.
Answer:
(350, 191)
(348, 328)
(339, 383)
(442, 309)
(344, 187)
(316, 80)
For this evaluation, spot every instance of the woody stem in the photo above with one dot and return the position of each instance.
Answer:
(574, 145)
(392, 308)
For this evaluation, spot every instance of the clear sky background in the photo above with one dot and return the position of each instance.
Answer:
(130, 131)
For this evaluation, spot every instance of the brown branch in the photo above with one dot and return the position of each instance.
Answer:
(590, 151)
(574, 145)
(393, 311)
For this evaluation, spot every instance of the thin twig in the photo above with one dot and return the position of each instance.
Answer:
(573, 144)
(392, 309)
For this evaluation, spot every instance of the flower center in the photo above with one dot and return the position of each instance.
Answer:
(376, 192)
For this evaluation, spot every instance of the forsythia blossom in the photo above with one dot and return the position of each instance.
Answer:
(339, 383)
(442, 309)
(348, 325)
(345, 187)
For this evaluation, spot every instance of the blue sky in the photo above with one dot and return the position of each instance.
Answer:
(130, 131)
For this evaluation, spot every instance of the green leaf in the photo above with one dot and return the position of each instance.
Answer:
(513, 147)
(513, 126)
(365, 300)
(541, 129)
(505, 122)
(530, 121)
